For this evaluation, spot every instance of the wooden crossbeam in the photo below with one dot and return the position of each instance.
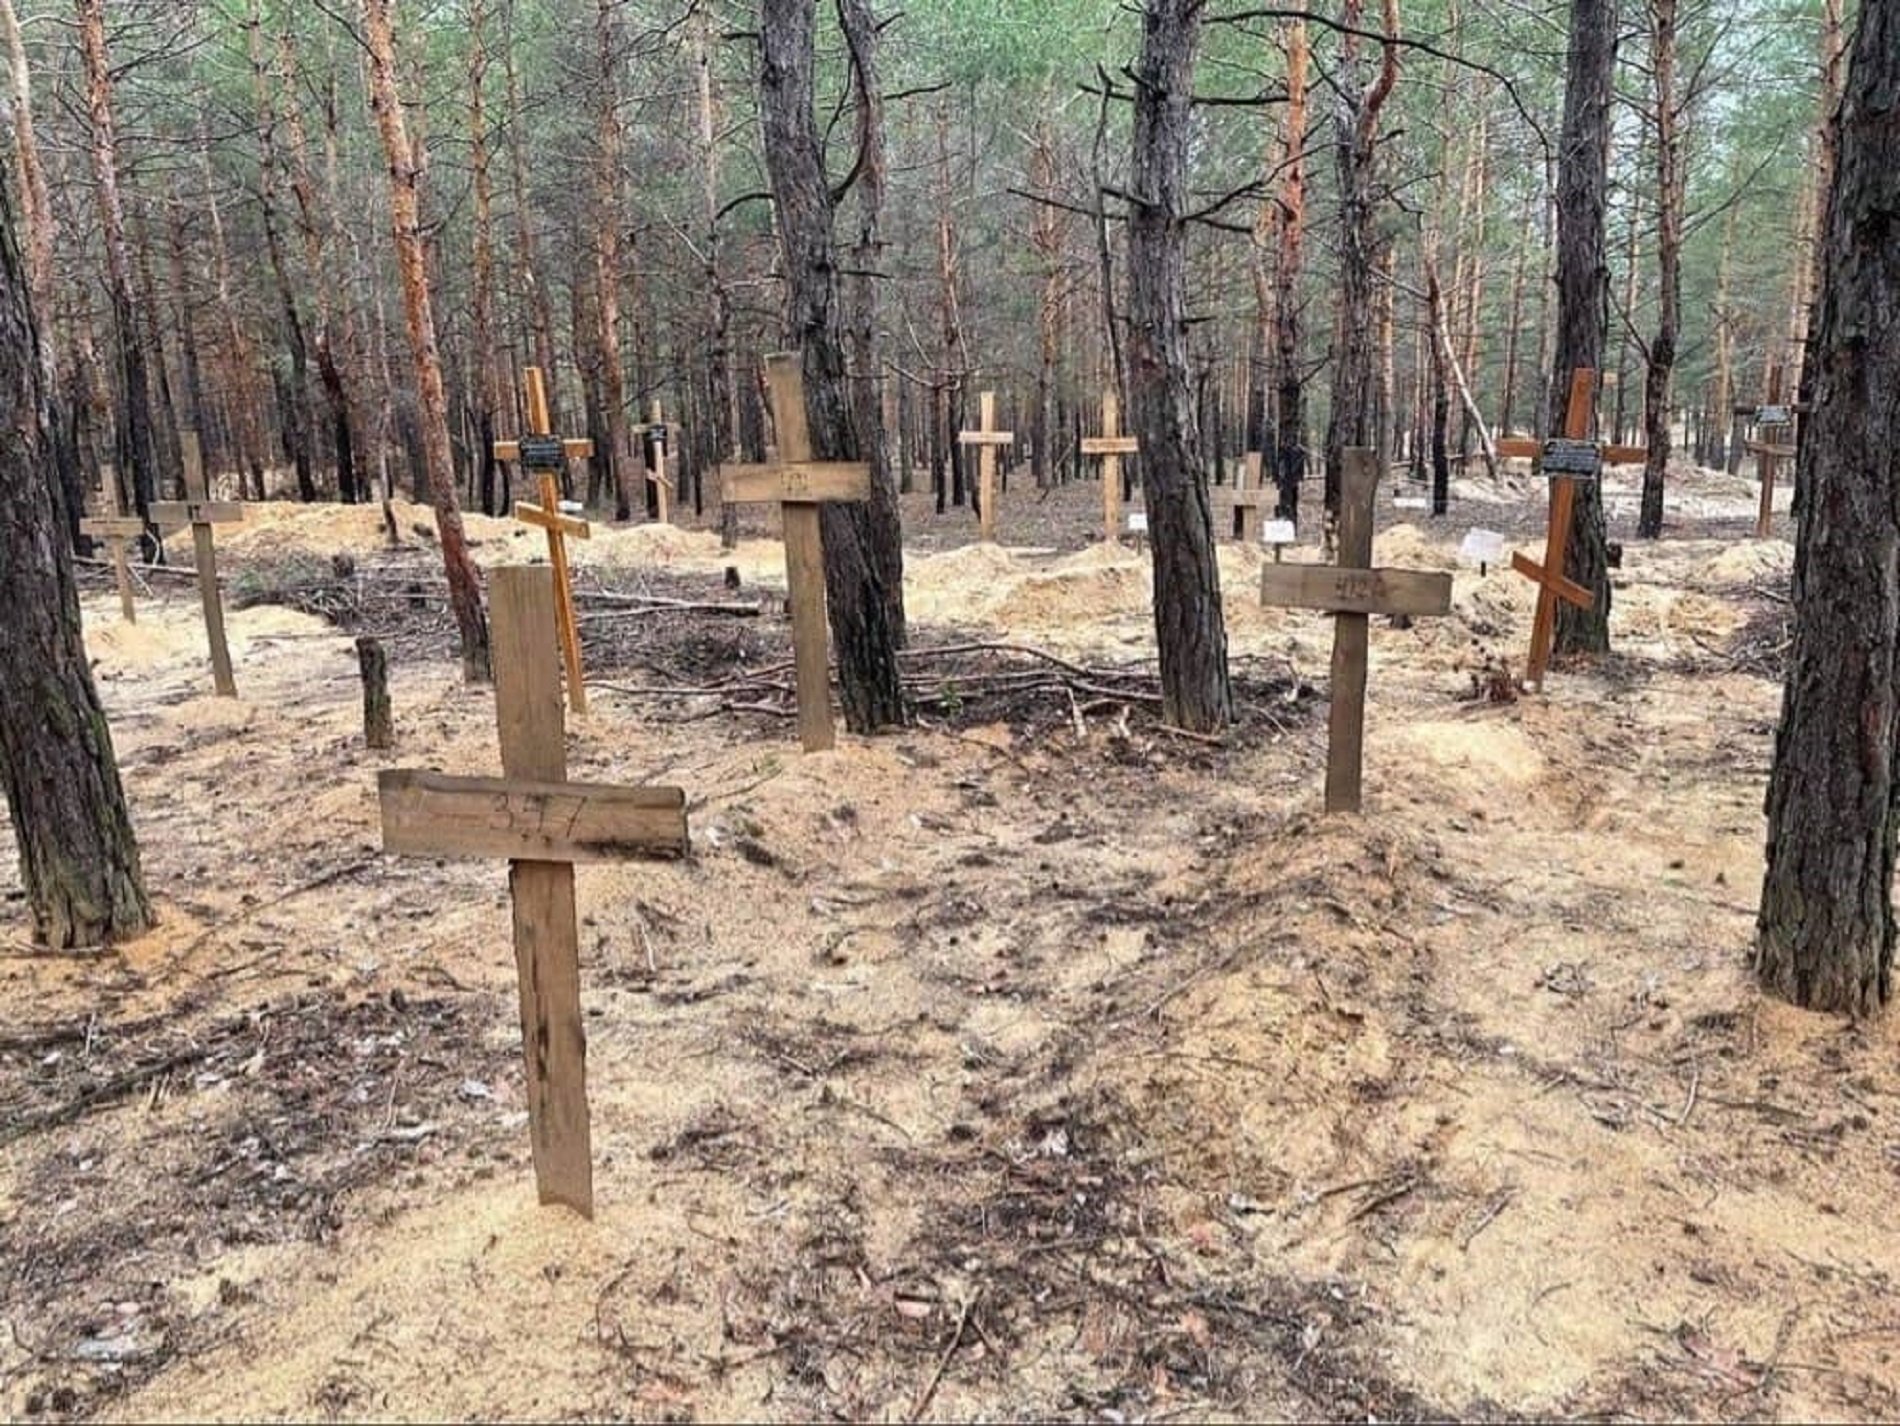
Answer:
(543, 824)
(202, 513)
(799, 485)
(1351, 590)
(986, 438)
(541, 457)
(429, 814)
(1109, 448)
(572, 448)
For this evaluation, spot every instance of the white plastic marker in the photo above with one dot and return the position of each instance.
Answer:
(1137, 522)
(1279, 534)
(572, 507)
(1482, 548)
(1409, 502)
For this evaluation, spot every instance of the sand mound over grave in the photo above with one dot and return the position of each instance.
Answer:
(1482, 757)
(1749, 563)
(275, 528)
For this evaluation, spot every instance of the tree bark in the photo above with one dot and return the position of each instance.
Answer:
(79, 859)
(1582, 286)
(1670, 198)
(406, 168)
(1825, 934)
(1289, 440)
(1189, 627)
(136, 446)
(859, 604)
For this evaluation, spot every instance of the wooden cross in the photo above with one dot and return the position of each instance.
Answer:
(1111, 446)
(657, 429)
(1575, 456)
(1250, 494)
(540, 452)
(117, 530)
(799, 485)
(987, 438)
(201, 512)
(543, 824)
(1351, 590)
(1772, 415)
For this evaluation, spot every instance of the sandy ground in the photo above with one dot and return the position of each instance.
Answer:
(971, 1071)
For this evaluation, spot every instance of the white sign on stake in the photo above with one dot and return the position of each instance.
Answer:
(1278, 532)
(1481, 548)
(1137, 522)
(1409, 502)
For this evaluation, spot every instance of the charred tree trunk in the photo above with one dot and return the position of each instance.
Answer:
(1289, 437)
(79, 859)
(1583, 279)
(405, 177)
(1658, 379)
(1825, 935)
(1190, 631)
(858, 603)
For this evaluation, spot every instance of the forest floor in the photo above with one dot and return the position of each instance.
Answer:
(1030, 1062)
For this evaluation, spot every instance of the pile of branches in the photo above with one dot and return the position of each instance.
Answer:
(982, 682)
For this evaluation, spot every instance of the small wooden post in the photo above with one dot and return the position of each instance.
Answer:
(987, 438)
(799, 485)
(1351, 590)
(1111, 446)
(116, 530)
(661, 483)
(202, 513)
(544, 455)
(1577, 450)
(543, 824)
(373, 662)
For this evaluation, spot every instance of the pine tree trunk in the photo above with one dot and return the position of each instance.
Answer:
(1582, 284)
(1826, 927)
(1189, 627)
(405, 178)
(1670, 196)
(79, 859)
(863, 636)
(1289, 437)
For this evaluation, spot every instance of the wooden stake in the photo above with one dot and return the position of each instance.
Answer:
(1351, 590)
(1767, 450)
(1250, 494)
(541, 455)
(799, 485)
(202, 513)
(536, 811)
(117, 530)
(658, 474)
(373, 663)
(1552, 583)
(987, 438)
(1111, 446)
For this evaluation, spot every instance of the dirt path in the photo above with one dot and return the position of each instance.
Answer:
(989, 1070)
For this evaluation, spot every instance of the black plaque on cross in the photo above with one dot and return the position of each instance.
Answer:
(542, 453)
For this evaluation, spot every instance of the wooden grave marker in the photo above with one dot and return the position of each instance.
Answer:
(799, 485)
(1110, 446)
(541, 452)
(659, 437)
(986, 438)
(117, 530)
(542, 824)
(1572, 457)
(1774, 427)
(1350, 591)
(203, 514)
(1250, 497)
